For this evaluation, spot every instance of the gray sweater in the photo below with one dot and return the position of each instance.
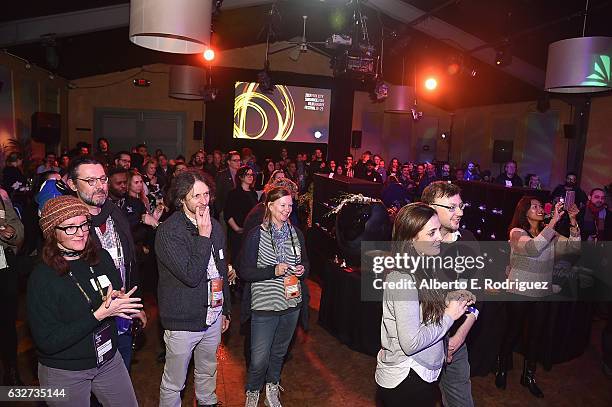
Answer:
(404, 337)
(182, 259)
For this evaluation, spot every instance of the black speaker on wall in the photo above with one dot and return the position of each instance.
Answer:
(46, 127)
(356, 139)
(569, 131)
(502, 150)
(197, 129)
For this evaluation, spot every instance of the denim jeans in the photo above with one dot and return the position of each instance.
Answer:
(270, 338)
(455, 384)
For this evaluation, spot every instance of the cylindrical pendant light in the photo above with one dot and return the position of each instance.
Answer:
(579, 65)
(186, 82)
(400, 99)
(178, 26)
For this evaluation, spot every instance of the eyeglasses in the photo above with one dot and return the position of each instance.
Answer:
(72, 229)
(92, 181)
(453, 208)
(249, 174)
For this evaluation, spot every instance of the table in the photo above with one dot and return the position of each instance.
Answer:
(342, 313)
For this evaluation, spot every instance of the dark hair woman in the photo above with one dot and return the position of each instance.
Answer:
(394, 167)
(415, 320)
(339, 170)
(239, 202)
(273, 265)
(264, 176)
(72, 308)
(533, 248)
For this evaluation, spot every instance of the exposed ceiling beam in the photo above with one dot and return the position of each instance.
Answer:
(457, 38)
(81, 22)
(105, 18)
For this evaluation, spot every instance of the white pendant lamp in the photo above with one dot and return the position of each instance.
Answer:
(186, 82)
(579, 65)
(177, 26)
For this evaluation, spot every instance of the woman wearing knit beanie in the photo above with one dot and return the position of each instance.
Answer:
(72, 308)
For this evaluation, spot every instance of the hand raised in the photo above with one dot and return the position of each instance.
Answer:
(203, 221)
(558, 212)
(456, 308)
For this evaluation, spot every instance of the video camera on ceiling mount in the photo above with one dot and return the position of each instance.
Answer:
(357, 57)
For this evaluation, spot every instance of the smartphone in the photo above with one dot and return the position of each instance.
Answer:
(570, 197)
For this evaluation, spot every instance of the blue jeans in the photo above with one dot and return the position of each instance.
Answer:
(124, 346)
(455, 384)
(270, 338)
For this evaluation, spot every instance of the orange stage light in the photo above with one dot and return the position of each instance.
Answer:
(209, 55)
(431, 84)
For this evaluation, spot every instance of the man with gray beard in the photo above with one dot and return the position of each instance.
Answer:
(87, 178)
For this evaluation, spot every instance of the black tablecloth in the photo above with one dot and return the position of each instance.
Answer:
(566, 336)
(343, 314)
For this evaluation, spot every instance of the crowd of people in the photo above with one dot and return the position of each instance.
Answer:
(108, 227)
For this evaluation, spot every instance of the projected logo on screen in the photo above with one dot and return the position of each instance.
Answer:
(290, 113)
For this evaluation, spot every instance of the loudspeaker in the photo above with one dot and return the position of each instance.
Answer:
(356, 139)
(569, 131)
(46, 127)
(197, 129)
(502, 150)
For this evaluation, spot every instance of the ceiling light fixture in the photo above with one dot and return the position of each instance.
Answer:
(580, 65)
(503, 56)
(177, 26)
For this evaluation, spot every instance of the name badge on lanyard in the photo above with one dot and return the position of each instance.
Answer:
(103, 344)
(292, 287)
(216, 292)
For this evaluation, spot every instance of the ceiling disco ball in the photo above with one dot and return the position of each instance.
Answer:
(361, 222)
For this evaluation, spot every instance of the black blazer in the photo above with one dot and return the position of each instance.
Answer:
(224, 184)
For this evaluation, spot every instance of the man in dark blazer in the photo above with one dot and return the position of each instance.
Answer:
(225, 181)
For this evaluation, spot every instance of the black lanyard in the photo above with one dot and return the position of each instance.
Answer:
(95, 278)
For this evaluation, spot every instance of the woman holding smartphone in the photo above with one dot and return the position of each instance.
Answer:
(533, 249)
(415, 321)
(274, 266)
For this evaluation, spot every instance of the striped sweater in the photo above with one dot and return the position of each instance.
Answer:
(269, 295)
(257, 262)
